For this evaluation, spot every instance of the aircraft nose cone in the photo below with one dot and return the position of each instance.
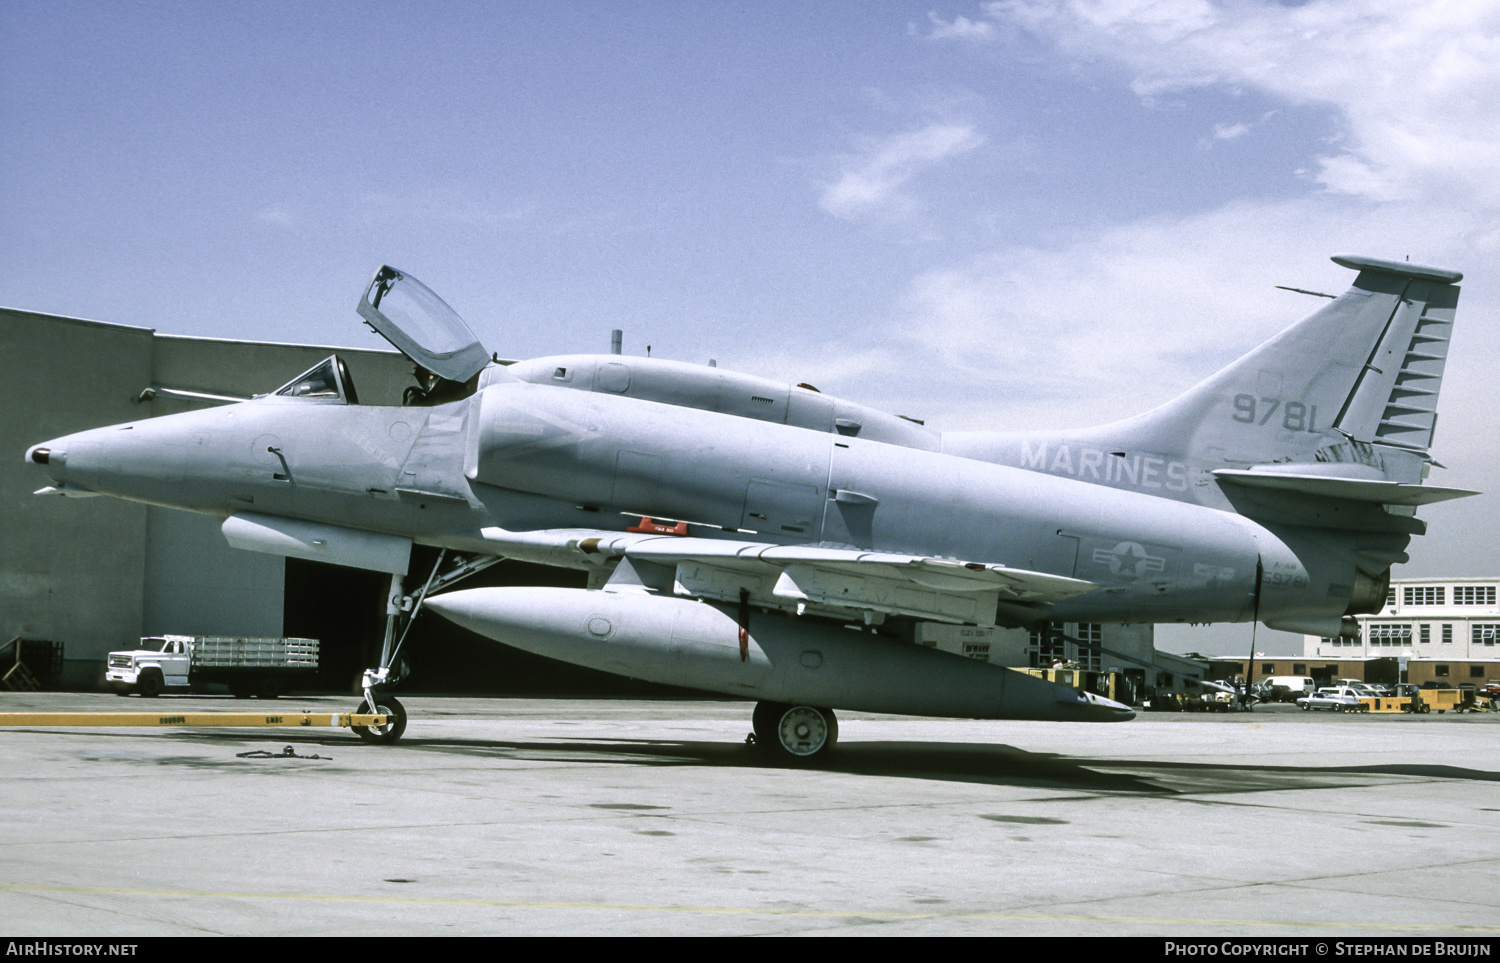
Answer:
(46, 454)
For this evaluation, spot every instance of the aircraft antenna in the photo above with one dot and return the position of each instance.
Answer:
(1316, 294)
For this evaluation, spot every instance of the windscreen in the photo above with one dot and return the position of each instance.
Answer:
(321, 381)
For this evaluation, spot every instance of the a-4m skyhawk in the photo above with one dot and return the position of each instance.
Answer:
(804, 535)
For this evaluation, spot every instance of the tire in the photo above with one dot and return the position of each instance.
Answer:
(150, 685)
(390, 732)
(764, 720)
(796, 735)
(268, 687)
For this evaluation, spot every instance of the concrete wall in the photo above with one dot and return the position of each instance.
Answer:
(71, 569)
(98, 573)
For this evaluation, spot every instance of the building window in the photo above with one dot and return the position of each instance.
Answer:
(1044, 650)
(1391, 633)
(1473, 595)
(1425, 636)
(1268, 668)
(1476, 672)
(1424, 594)
(1390, 598)
(1440, 671)
(1299, 668)
(1447, 634)
(1483, 633)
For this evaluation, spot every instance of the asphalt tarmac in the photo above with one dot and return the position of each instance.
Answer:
(599, 817)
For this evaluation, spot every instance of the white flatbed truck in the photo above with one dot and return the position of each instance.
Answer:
(183, 663)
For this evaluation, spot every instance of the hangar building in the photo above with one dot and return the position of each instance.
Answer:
(99, 573)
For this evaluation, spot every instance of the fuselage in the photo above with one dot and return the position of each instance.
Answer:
(525, 457)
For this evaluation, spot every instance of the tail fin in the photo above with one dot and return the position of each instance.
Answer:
(1355, 382)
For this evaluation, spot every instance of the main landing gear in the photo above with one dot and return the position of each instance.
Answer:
(794, 734)
(400, 611)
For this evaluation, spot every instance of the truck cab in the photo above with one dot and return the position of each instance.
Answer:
(151, 670)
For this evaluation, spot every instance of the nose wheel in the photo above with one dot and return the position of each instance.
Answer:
(794, 734)
(395, 723)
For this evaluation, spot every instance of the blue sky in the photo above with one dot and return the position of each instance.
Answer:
(985, 214)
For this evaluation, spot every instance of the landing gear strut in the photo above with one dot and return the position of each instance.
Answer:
(400, 611)
(795, 734)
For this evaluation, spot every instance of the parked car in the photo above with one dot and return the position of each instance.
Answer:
(1337, 698)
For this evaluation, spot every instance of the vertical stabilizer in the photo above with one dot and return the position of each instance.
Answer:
(1355, 381)
(1349, 392)
(1394, 401)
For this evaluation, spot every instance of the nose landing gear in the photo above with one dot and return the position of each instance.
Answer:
(401, 608)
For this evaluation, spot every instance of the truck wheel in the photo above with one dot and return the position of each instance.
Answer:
(268, 687)
(392, 730)
(150, 685)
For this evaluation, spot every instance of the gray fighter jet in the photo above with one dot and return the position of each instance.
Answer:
(772, 542)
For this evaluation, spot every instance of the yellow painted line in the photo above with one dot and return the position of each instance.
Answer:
(190, 719)
(1340, 925)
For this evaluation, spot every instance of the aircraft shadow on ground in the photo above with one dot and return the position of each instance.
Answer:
(981, 763)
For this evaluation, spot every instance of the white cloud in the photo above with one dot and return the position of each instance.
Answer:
(1417, 84)
(871, 181)
(278, 215)
(959, 28)
(1230, 131)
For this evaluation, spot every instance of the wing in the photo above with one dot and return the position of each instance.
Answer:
(806, 579)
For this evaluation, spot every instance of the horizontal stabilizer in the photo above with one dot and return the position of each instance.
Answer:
(1377, 491)
(1405, 269)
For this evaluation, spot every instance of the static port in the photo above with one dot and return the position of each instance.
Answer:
(40, 455)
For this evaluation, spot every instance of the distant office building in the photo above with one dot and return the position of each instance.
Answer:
(1442, 629)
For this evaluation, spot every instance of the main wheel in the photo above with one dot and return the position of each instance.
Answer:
(795, 733)
(268, 687)
(391, 731)
(150, 685)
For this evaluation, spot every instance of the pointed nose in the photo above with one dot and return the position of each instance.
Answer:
(50, 456)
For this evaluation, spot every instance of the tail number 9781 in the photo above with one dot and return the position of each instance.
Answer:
(1295, 416)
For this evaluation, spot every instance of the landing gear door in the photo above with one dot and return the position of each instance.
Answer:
(418, 322)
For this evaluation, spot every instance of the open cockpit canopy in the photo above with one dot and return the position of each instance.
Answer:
(328, 380)
(410, 316)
